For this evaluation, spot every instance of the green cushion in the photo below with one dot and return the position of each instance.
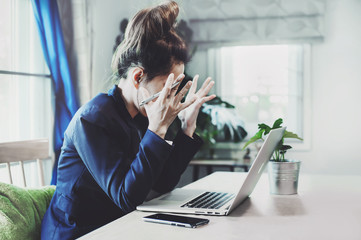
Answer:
(21, 211)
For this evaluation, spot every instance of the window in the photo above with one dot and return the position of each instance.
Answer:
(25, 92)
(265, 82)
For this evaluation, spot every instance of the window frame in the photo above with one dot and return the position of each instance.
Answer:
(213, 56)
(30, 53)
(36, 68)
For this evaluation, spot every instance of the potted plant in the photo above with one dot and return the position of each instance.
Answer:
(218, 122)
(283, 173)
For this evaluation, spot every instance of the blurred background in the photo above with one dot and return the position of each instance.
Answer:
(298, 60)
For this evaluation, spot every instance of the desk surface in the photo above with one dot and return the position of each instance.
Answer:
(327, 207)
(214, 162)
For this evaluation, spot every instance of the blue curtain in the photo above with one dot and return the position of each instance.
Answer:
(66, 102)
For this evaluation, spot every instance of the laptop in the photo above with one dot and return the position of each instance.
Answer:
(207, 202)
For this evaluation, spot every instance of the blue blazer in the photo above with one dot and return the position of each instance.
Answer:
(108, 164)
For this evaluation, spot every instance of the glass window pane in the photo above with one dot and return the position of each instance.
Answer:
(25, 108)
(25, 102)
(5, 35)
(20, 44)
(265, 83)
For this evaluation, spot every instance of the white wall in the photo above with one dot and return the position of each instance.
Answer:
(107, 16)
(335, 81)
(335, 92)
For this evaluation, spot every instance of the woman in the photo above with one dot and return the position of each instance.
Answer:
(114, 152)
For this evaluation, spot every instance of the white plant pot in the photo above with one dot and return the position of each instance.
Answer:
(283, 177)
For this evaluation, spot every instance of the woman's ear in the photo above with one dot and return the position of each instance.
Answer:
(137, 76)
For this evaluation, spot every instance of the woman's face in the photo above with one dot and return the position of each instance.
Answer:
(157, 83)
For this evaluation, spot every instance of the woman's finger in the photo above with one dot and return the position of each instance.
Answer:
(182, 92)
(167, 87)
(194, 85)
(178, 79)
(206, 87)
(208, 98)
(187, 103)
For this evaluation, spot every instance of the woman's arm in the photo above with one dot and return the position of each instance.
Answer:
(186, 142)
(105, 155)
(188, 116)
(182, 153)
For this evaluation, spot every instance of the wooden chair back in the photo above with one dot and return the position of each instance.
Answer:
(20, 151)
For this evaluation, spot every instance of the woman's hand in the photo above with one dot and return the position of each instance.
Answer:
(162, 112)
(189, 115)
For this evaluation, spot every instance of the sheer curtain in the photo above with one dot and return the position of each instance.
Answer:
(216, 22)
(77, 23)
(26, 91)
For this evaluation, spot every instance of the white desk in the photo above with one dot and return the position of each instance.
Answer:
(327, 207)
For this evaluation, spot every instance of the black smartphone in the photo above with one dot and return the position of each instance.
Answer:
(176, 220)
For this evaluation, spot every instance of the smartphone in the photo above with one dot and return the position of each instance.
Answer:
(176, 220)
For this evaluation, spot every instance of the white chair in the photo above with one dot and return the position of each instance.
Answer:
(20, 151)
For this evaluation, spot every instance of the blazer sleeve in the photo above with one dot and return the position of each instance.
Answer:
(105, 156)
(184, 149)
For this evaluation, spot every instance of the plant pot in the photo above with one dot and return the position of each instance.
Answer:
(283, 177)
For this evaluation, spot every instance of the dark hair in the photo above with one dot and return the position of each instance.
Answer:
(151, 42)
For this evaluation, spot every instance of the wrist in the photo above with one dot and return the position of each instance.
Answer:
(188, 130)
(159, 131)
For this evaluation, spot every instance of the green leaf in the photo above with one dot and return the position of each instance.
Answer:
(264, 127)
(277, 123)
(256, 137)
(280, 149)
(279, 145)
(291, 135)
(285, 147)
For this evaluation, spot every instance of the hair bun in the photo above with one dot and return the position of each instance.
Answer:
(151, 41)
(160, 21)
(169, 12)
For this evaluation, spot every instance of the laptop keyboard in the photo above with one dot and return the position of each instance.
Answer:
(211, 200)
